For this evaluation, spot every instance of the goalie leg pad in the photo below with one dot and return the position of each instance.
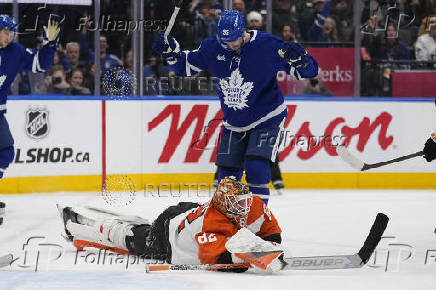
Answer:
(110, 233)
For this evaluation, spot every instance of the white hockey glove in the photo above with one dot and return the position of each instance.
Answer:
(244, 241)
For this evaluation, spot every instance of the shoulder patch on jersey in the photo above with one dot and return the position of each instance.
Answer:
(221, 57)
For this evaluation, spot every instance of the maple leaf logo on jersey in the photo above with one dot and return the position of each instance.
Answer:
(236, 91)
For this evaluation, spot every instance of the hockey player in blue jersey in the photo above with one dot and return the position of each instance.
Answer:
(246, 64)
(13, 59)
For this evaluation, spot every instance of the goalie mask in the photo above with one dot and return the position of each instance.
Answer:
(233, 199)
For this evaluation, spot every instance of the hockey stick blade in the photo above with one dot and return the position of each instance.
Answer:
(352, 160)
(6, 260)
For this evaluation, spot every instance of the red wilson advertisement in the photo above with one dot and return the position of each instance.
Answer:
(203, 130)
(336, 72)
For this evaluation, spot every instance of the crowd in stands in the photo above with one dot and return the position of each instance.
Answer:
(391, 30)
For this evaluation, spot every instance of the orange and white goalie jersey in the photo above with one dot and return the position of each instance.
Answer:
(199, 236)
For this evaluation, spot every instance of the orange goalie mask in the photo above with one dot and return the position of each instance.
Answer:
(233, 199)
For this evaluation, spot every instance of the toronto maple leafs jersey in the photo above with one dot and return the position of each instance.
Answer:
(15, 58)
(247, 86)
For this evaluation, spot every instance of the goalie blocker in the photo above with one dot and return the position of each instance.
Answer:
(232, 222)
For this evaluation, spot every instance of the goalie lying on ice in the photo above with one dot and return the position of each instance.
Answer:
(233, 221)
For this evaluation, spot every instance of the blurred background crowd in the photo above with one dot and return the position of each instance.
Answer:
(395, 35)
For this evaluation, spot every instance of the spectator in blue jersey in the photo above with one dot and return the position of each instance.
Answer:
(14, 58)
(204, 23)
(108, 61)
(245, 64)
(324, 27)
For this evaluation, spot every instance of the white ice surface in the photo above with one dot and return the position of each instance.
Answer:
(313, 223)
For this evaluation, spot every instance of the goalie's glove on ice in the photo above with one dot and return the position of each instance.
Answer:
(295, 54)
(430, 148)
(51, 34)
(170, 51)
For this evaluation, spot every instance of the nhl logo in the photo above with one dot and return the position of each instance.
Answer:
(37, 126)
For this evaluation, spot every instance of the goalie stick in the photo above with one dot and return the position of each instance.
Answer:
(356, 163)
(357, 260)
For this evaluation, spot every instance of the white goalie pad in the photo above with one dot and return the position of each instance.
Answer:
(244, 241)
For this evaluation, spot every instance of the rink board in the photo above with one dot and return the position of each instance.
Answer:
(166, 143)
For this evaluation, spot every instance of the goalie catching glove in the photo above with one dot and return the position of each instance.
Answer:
(168, 48)
(245, 247)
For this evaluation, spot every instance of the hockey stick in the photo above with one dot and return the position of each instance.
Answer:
(356, 163)
(303, 263)
(171, 22)
(6, 260)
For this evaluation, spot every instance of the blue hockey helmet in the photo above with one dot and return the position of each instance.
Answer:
(230, 26)
(8, 22)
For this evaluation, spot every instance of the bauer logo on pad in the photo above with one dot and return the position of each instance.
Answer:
(37, 126)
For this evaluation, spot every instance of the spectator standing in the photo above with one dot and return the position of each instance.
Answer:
(108, 61)
(324, 27)
(204, 23)
(425, 48)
